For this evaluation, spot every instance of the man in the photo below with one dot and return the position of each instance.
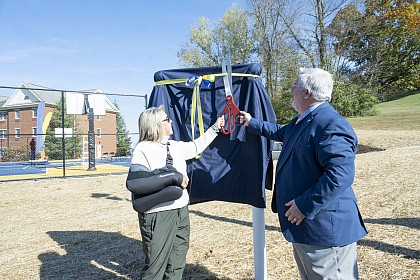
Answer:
(313, 196)
(33, 148)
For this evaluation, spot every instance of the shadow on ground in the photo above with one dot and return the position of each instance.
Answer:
(391, 248)
(107, 196)
(362, 149)
(101, 255)
(406, 222)
(381, 246)
(230, 220)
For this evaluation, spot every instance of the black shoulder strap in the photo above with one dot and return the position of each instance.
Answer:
(169, 159)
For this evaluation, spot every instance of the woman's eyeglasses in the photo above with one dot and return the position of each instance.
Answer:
(167, 119)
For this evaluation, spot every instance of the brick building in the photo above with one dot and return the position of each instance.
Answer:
(18, 118)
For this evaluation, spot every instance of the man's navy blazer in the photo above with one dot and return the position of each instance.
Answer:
(316, 168)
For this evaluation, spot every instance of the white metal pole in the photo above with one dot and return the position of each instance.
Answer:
(258, 227)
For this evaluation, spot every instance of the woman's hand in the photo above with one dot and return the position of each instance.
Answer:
(184, 182)
(220, 122)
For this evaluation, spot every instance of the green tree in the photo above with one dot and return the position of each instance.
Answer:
(123, 140)
(279, 57)
(235, 37)
(305, 23)
(399, 21)
(272, 51)
(293, 34)
(285, 35)
(53, 145)
(382, 42)
(208, 44)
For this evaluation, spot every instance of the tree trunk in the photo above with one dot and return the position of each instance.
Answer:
(321, 25)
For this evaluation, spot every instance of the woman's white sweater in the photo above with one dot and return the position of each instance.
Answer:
(153, 155)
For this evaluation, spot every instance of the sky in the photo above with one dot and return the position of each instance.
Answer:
(112, 45)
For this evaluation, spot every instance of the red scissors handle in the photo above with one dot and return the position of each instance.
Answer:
(230, 108)
(226, 111)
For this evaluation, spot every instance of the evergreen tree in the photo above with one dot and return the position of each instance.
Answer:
(53, 145)
(123, 140)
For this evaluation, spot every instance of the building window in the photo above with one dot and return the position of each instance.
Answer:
(34, 113)
(1, 152)
(17, 114)
(3, 133)
(17, 132)
(99, 132)
(3, 116)
(34, 131)
(98, 117)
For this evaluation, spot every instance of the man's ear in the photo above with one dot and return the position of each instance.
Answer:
(308, 94)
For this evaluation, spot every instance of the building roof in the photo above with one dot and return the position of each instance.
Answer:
(3, 100)
(44, 94)
(29, 95)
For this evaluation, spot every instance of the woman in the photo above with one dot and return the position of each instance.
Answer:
(165, 228)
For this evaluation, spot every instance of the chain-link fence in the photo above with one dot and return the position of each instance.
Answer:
(57, 133)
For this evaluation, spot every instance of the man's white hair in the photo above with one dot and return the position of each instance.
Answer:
(319, 82)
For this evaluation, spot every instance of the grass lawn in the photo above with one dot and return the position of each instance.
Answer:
(400, 113)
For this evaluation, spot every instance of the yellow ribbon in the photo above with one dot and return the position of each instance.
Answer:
(196, 102)
(175, 81)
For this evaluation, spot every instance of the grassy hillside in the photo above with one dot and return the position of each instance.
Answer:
(400, 113)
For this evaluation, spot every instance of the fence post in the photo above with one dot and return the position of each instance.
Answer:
(145, 102)
(91, 140)
(63, 150)
(27, 148)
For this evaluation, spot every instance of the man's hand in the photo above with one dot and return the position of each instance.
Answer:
(184, 182)
(244, 117)
(293, 214)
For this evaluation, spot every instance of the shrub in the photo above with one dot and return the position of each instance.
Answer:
(16, 154)
(283, 108)
(351, 100)
(348, 98)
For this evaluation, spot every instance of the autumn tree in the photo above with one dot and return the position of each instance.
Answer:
(209, 43)
(381, 42)
(399, 21)
(282, 35)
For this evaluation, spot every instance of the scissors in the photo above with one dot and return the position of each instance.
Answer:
(230, 107)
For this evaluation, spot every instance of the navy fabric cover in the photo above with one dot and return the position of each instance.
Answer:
(234, 167)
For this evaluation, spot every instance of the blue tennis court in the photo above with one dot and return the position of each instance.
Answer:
(40, 169)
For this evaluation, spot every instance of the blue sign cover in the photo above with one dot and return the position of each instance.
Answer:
(235, 167)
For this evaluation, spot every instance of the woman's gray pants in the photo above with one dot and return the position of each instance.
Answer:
(165, 238)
